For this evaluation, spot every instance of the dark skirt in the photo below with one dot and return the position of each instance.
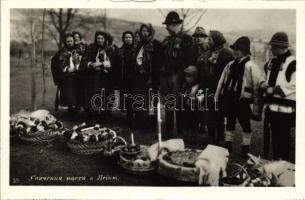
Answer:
(71, 91)
(96, 90)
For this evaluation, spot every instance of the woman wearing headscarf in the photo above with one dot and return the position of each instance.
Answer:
(137, 38)
(98, 72)
(65, 67)
(219, 57)
(78, 42)
(147, 68)
(127, 62)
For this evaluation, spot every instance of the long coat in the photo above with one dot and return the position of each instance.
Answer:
(96, 80)
(147, 75)
(66, 71)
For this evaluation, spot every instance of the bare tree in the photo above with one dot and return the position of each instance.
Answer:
(33, 36)
(62, 21)
(190, 17)
(44, 90)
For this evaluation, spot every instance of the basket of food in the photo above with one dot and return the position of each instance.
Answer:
(86, 139)
(134, 159)
(38, 127)
(247, 175)
(114, 147)
(21, 116)
(179, 165)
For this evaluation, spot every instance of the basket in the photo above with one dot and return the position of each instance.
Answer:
(239, 170)
(109, 151)
(138, 168)
(177, 172)
(40, 137)
(88, 147)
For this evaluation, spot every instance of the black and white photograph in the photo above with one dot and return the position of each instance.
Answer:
(161, 97)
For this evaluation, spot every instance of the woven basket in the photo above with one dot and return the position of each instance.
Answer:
(130, 166)
(86, 148)
(40, 137)
(177, 172)
(238, 170)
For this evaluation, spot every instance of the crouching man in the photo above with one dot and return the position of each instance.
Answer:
(239, 85)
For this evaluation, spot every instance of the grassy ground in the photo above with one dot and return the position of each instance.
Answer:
(55, 160)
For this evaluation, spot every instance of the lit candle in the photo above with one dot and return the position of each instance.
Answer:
(159, 124)
(132, 140)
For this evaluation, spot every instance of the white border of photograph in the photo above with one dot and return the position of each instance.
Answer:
(102, 192)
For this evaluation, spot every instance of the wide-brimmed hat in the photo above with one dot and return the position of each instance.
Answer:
(279, 39)
(172, 18)
(242, 44)
(200, 31)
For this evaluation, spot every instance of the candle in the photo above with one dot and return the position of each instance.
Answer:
(159, 124)
(132, 139)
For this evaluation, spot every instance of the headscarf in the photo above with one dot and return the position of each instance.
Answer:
(125, 33)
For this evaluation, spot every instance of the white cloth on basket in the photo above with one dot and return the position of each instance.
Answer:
(171, 145)
(211, 162)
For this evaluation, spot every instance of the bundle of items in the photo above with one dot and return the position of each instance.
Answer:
(135, 159)
(86, 139)
(202, 166)
(114, 148)
(260, 173)
(38, 127)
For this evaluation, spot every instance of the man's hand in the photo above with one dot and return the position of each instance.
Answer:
(278, 90)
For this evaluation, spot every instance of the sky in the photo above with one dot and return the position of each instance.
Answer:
(220, 19)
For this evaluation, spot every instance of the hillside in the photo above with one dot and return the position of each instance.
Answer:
(88, 24)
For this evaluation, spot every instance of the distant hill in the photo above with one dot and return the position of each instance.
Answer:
(87, 25)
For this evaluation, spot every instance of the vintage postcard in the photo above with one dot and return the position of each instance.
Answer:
(152, 99)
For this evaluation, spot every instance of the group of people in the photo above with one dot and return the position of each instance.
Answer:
(200, 69)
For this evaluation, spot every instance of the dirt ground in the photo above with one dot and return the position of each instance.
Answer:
(54, 164)
(29, 165)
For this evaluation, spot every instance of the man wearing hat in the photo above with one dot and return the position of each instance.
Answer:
(239, 84)
(179, 51)
(202, 54)
(280, 92)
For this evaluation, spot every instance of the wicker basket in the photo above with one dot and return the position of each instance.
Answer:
(88, 147)
(133, 167)
(239, 170)
(40, 137)
(177, 172)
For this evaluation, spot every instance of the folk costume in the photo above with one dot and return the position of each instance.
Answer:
(280, 98)
(179, 53)
(126, 75)
(99, 80)
(147, 71)
(239, 87)
(66, 69)
(212, 67)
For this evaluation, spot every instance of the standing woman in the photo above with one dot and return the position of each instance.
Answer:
(98, 64)
(137, 39)
(127, 62)
(65, 67)
(79, 44)
(147, 68)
